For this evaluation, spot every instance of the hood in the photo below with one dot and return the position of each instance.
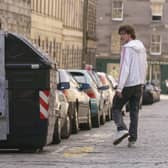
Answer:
(136, 45)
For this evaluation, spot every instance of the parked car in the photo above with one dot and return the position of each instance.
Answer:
(79, 104)
(108, 94)
(151, 93)
(90, 88)
(62, 106)
(100, 88)
(112, 81)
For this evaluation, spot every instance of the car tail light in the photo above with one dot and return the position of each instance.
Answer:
(65, 93)
(91, 94)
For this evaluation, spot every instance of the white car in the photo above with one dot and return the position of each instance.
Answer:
(62, 106)
(79, 104)
(108, 94)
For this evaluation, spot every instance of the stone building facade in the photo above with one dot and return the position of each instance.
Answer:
(15, 16)
(150, 20)
(91, 33)
(57, 28)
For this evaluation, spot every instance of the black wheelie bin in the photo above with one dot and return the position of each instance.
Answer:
(27, 92)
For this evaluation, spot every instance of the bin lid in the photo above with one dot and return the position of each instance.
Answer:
(20, 51)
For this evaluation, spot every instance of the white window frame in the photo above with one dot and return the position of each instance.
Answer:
(117, 9)
(158, 13)
(156, 44)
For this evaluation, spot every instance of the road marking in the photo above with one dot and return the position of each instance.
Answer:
(78, 151)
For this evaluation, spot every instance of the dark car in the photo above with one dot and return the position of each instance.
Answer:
(151, 93)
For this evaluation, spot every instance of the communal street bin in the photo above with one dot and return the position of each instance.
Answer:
(28, 87)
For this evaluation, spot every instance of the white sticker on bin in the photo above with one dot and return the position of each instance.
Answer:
(35, 66)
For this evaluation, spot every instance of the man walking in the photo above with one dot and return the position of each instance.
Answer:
(133, 66)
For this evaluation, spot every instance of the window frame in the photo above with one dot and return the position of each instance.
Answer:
(156, 43)
(155, 14)
(117, 9)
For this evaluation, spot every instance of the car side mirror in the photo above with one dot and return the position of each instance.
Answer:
(63, 85)
(104, 87)
(84, 86)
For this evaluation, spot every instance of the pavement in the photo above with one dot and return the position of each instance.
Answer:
(95, 149)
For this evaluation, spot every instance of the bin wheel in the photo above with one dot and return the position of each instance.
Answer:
(57, 132)
(66, 129)
(31, 149)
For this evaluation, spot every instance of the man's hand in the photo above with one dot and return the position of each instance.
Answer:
(119, 94)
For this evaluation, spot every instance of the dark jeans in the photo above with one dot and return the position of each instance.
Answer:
(132, 95)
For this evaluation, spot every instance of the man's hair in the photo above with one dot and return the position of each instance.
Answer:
(127, 29)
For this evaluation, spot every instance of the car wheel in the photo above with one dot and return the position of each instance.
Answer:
(57, 132)
(88, 125)
(103, 118)
(96, 121)
(75, 122)
(108, 117)
(66, 129)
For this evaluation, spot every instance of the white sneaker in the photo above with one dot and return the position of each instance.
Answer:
(131, 144)
(120, 135)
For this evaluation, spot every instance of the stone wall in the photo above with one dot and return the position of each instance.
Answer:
(15, 16)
